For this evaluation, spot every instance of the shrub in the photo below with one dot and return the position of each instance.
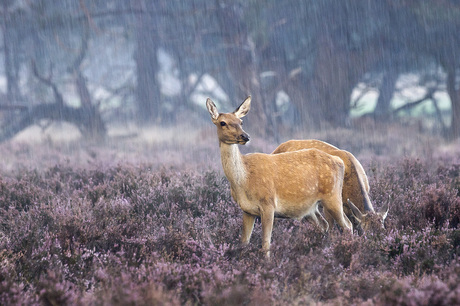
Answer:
(442, 206)
(129, 234)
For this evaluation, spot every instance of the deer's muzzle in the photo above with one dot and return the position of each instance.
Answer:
(243, 138)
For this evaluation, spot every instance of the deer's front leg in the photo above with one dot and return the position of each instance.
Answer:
(267, 217)
(329, 219)
(248, 226)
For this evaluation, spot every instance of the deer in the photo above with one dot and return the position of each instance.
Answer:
(285, 185)
(355, 193)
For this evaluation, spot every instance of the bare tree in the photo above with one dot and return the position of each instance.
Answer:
(87, 117)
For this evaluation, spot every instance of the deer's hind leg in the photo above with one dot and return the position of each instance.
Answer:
(248, 226)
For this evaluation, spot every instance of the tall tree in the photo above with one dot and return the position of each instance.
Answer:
(148, 92)
(386, 90)
(439, 24)
(11, 18)
(241, 58)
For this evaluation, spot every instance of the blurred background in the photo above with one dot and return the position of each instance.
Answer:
(340, 70)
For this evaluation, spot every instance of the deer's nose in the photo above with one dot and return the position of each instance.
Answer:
(244, 137)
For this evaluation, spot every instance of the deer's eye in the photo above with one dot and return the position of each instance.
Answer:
(223, 123)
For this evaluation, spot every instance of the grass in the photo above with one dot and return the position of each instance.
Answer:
(143, 223)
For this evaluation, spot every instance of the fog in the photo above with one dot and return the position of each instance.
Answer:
(133, 76)
(116, 190)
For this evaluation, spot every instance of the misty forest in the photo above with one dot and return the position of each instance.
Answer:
(112, 188)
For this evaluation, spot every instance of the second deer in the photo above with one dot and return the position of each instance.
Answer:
(355, 193)
(288, 185)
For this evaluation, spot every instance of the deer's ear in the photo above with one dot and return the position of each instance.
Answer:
(243, 109)
(212, 109)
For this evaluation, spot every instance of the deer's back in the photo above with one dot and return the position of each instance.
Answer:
(356, 184)
(295, 145)
(294, 176)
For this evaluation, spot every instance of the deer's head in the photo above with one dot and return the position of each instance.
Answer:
(229, 125)
(370, 220)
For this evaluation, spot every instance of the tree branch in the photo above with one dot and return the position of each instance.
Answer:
(428, 96)
(47, 81)
(9, 107)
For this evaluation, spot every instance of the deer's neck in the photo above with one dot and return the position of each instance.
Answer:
(232, 163)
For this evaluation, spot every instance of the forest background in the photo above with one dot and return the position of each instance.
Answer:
(111, 187)
(309, 65)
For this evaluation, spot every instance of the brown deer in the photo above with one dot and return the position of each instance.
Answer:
(287, 185)
(355, 190)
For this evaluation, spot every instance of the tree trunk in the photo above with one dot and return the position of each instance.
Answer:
(241, 64)
(337, 71)
(148, 89)
(307, 114)
(11, 71)
(454, 94)
(386, 89)
(92, 125)
(334, 79)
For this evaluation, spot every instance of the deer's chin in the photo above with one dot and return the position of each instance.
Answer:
(237, 141)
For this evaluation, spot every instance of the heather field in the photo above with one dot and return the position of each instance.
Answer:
(153, 223)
